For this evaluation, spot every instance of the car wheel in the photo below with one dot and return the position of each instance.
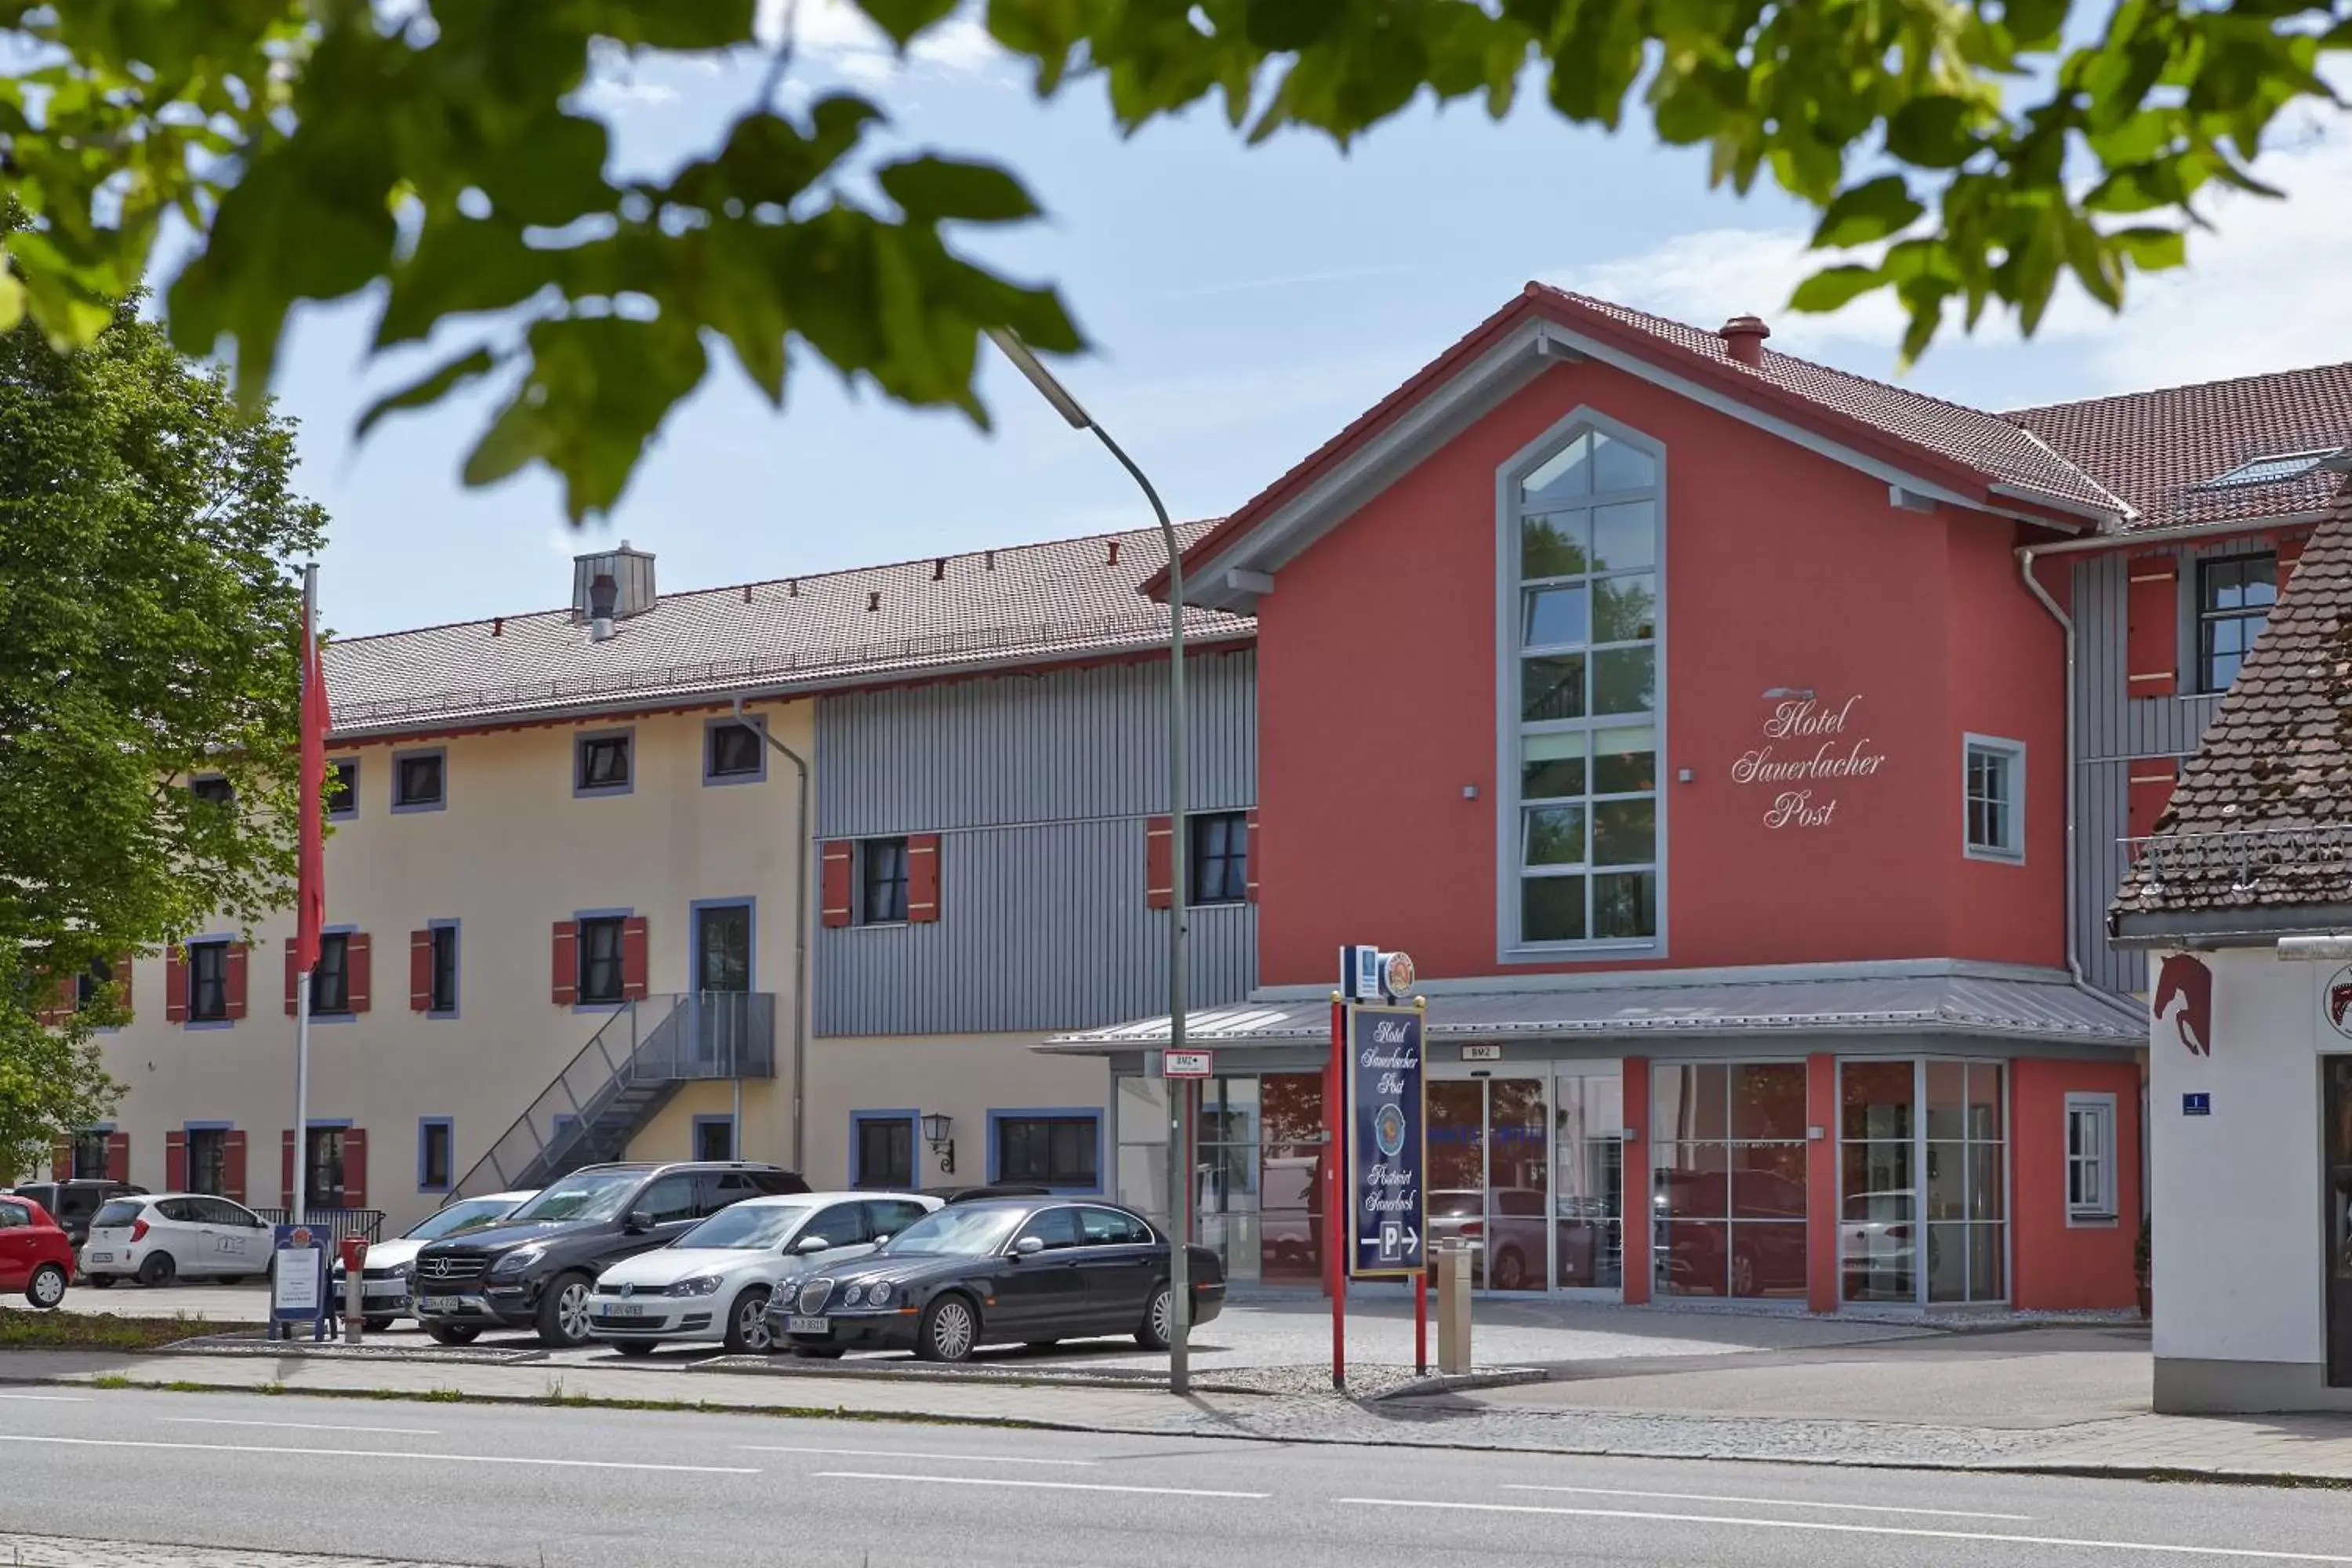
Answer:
(563, 1312)
(950, 1329)
(159, 1269)
(378, 1325)
(1159, 1319)
(747, 1324)
(1510, 1270)
(47, 1286)
(452, 1334)
(99, 1282)
(633, 1347)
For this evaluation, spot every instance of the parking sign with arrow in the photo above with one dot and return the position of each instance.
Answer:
(1386, 1149)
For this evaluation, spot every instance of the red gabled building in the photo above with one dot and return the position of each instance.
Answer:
(1740, 747)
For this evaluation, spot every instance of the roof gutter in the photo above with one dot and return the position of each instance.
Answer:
(2179, 530)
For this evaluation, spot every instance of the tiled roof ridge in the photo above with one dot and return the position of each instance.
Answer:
(1193, 526)
(2146, 391)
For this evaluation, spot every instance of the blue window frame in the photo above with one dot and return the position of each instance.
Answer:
(207, 958)
(735, 750)
(437, 1153)
(207, 1156)
(603, 761)
(1059, 1147)
(420, 780)
(885, 1149)
(441, 970)
(714, 1139)
(603, 950)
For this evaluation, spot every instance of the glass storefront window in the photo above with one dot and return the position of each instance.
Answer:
(1729, 1201)
(1588, 1189)
(1923, 1157)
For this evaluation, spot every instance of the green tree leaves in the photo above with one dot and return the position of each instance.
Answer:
(442, 152)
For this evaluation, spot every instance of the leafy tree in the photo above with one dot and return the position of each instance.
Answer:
(318, 147)
(148, 625)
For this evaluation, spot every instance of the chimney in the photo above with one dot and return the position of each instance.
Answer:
(629, 575)
(1743, 336)
(601, 595)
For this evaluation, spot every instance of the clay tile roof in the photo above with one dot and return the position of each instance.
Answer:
(2160, 450)
(2260, 816)
(1072, 598)
(2000, 448)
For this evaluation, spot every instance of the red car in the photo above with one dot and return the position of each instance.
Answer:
(34, 1255)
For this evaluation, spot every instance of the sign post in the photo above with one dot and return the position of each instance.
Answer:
(297, 1289)
(1375, 1207)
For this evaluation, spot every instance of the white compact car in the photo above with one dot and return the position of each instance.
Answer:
(384, 1277)
(712, 1283)
(157, 1237)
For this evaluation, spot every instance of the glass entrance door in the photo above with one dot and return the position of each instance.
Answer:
(2336, 1074)
(722, 978)
(1589, 1194)
(1490, 1176)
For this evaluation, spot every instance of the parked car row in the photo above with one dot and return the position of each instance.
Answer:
(36, 1256)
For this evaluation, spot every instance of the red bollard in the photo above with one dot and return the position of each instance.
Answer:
(355, 1287)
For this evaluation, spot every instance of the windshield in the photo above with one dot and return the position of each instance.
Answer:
(958, 1232)
(121, 1211)
(470, 1215)
(591, 1195)
(746, 1225)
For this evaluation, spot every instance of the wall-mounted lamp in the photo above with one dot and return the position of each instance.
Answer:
(937, 1128)
(1803, 692)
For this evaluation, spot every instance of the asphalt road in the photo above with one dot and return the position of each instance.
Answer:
(583, 1489)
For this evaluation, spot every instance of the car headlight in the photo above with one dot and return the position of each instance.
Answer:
(700, 1284)
(854, 1295)
(516, 1262)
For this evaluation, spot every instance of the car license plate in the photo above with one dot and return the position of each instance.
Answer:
(807, 1326)
(442, 1303)
(101, 1258)
(624, 1310)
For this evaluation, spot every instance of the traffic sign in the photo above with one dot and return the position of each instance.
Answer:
(1188, 1063)
(1387, 1147)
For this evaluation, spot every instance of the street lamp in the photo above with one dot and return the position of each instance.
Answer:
(1179, 1140)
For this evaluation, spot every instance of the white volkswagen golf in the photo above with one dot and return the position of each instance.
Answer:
(158, 1237)
(712, 1283)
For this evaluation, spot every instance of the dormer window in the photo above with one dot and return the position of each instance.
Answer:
(2270, 469)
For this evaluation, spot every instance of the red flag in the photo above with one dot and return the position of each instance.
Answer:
(310, 874)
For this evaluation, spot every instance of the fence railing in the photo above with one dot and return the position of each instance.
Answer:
(644, 1048)
(2243, 857)
(365, 1223)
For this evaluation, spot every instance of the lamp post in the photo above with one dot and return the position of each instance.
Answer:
(1179, 1093)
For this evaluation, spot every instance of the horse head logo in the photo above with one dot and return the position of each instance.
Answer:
(2183, 978)
(2338, 1001)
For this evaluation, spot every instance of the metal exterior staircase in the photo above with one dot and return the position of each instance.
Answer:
(621, 1080)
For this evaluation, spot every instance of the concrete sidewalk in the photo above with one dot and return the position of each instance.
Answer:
(2066, 1400)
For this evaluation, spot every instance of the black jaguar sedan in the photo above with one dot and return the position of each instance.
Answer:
(1030, 1271)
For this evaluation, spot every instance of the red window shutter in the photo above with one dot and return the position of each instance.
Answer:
(123, 978)
(175, 1162)
(236, 987)
(175, 985)
(233, 1166)
(61, 1007)
(634, 965)
(420, 972)
(61, 1159)
(354, 1169)
(1159, 862)
(1249, 858)
(2152, 649)
(285, 1173)
(2149, 787)
(567, 963)
(922, 878)
(359, 964)
(293, 977)
(117, 1156)
(833, 883)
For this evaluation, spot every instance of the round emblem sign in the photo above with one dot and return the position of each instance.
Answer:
(2336, 1002)
(1396, 973)
(301, 1236)
(1388, 1131)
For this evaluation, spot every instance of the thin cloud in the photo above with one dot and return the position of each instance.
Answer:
(1293, 280)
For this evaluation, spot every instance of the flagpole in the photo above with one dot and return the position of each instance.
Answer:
(299, 1214)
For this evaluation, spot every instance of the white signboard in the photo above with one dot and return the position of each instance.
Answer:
(1482, 1053)
(1189, 1064)
(299, 1289)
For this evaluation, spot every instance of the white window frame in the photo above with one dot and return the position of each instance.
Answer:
(2102, 1206)
(2013, 753)
(1511, 946)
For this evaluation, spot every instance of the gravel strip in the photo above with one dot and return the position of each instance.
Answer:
(69, 1551)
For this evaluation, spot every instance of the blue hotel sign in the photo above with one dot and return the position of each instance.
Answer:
(1387, 1143)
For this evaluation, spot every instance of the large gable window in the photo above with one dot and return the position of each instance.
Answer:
(1582, 518)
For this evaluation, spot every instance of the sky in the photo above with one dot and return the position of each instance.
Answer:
(1243, 304)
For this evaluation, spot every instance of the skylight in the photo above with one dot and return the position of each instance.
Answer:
(2270, 468)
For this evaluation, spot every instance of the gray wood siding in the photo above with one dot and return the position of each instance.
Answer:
(1040, 787)
(1063, 746)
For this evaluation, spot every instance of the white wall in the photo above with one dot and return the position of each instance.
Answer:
(2237, 1241)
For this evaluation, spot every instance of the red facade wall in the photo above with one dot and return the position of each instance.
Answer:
(2059, 1267)
(1376, 690)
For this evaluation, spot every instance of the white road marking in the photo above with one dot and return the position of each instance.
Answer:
(904, 1454)
(50, 1398)
(297, 1426)
(1824, 1526)
(1034, 1486)
(1771, 1503)
(379, 1454)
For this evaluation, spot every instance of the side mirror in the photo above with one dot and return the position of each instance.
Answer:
(881, 1236)
(1028, 1247)
(638, 1222)
(811, 1244)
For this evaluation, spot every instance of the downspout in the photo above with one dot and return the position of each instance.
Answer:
(2073, 763)
(800, 946)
